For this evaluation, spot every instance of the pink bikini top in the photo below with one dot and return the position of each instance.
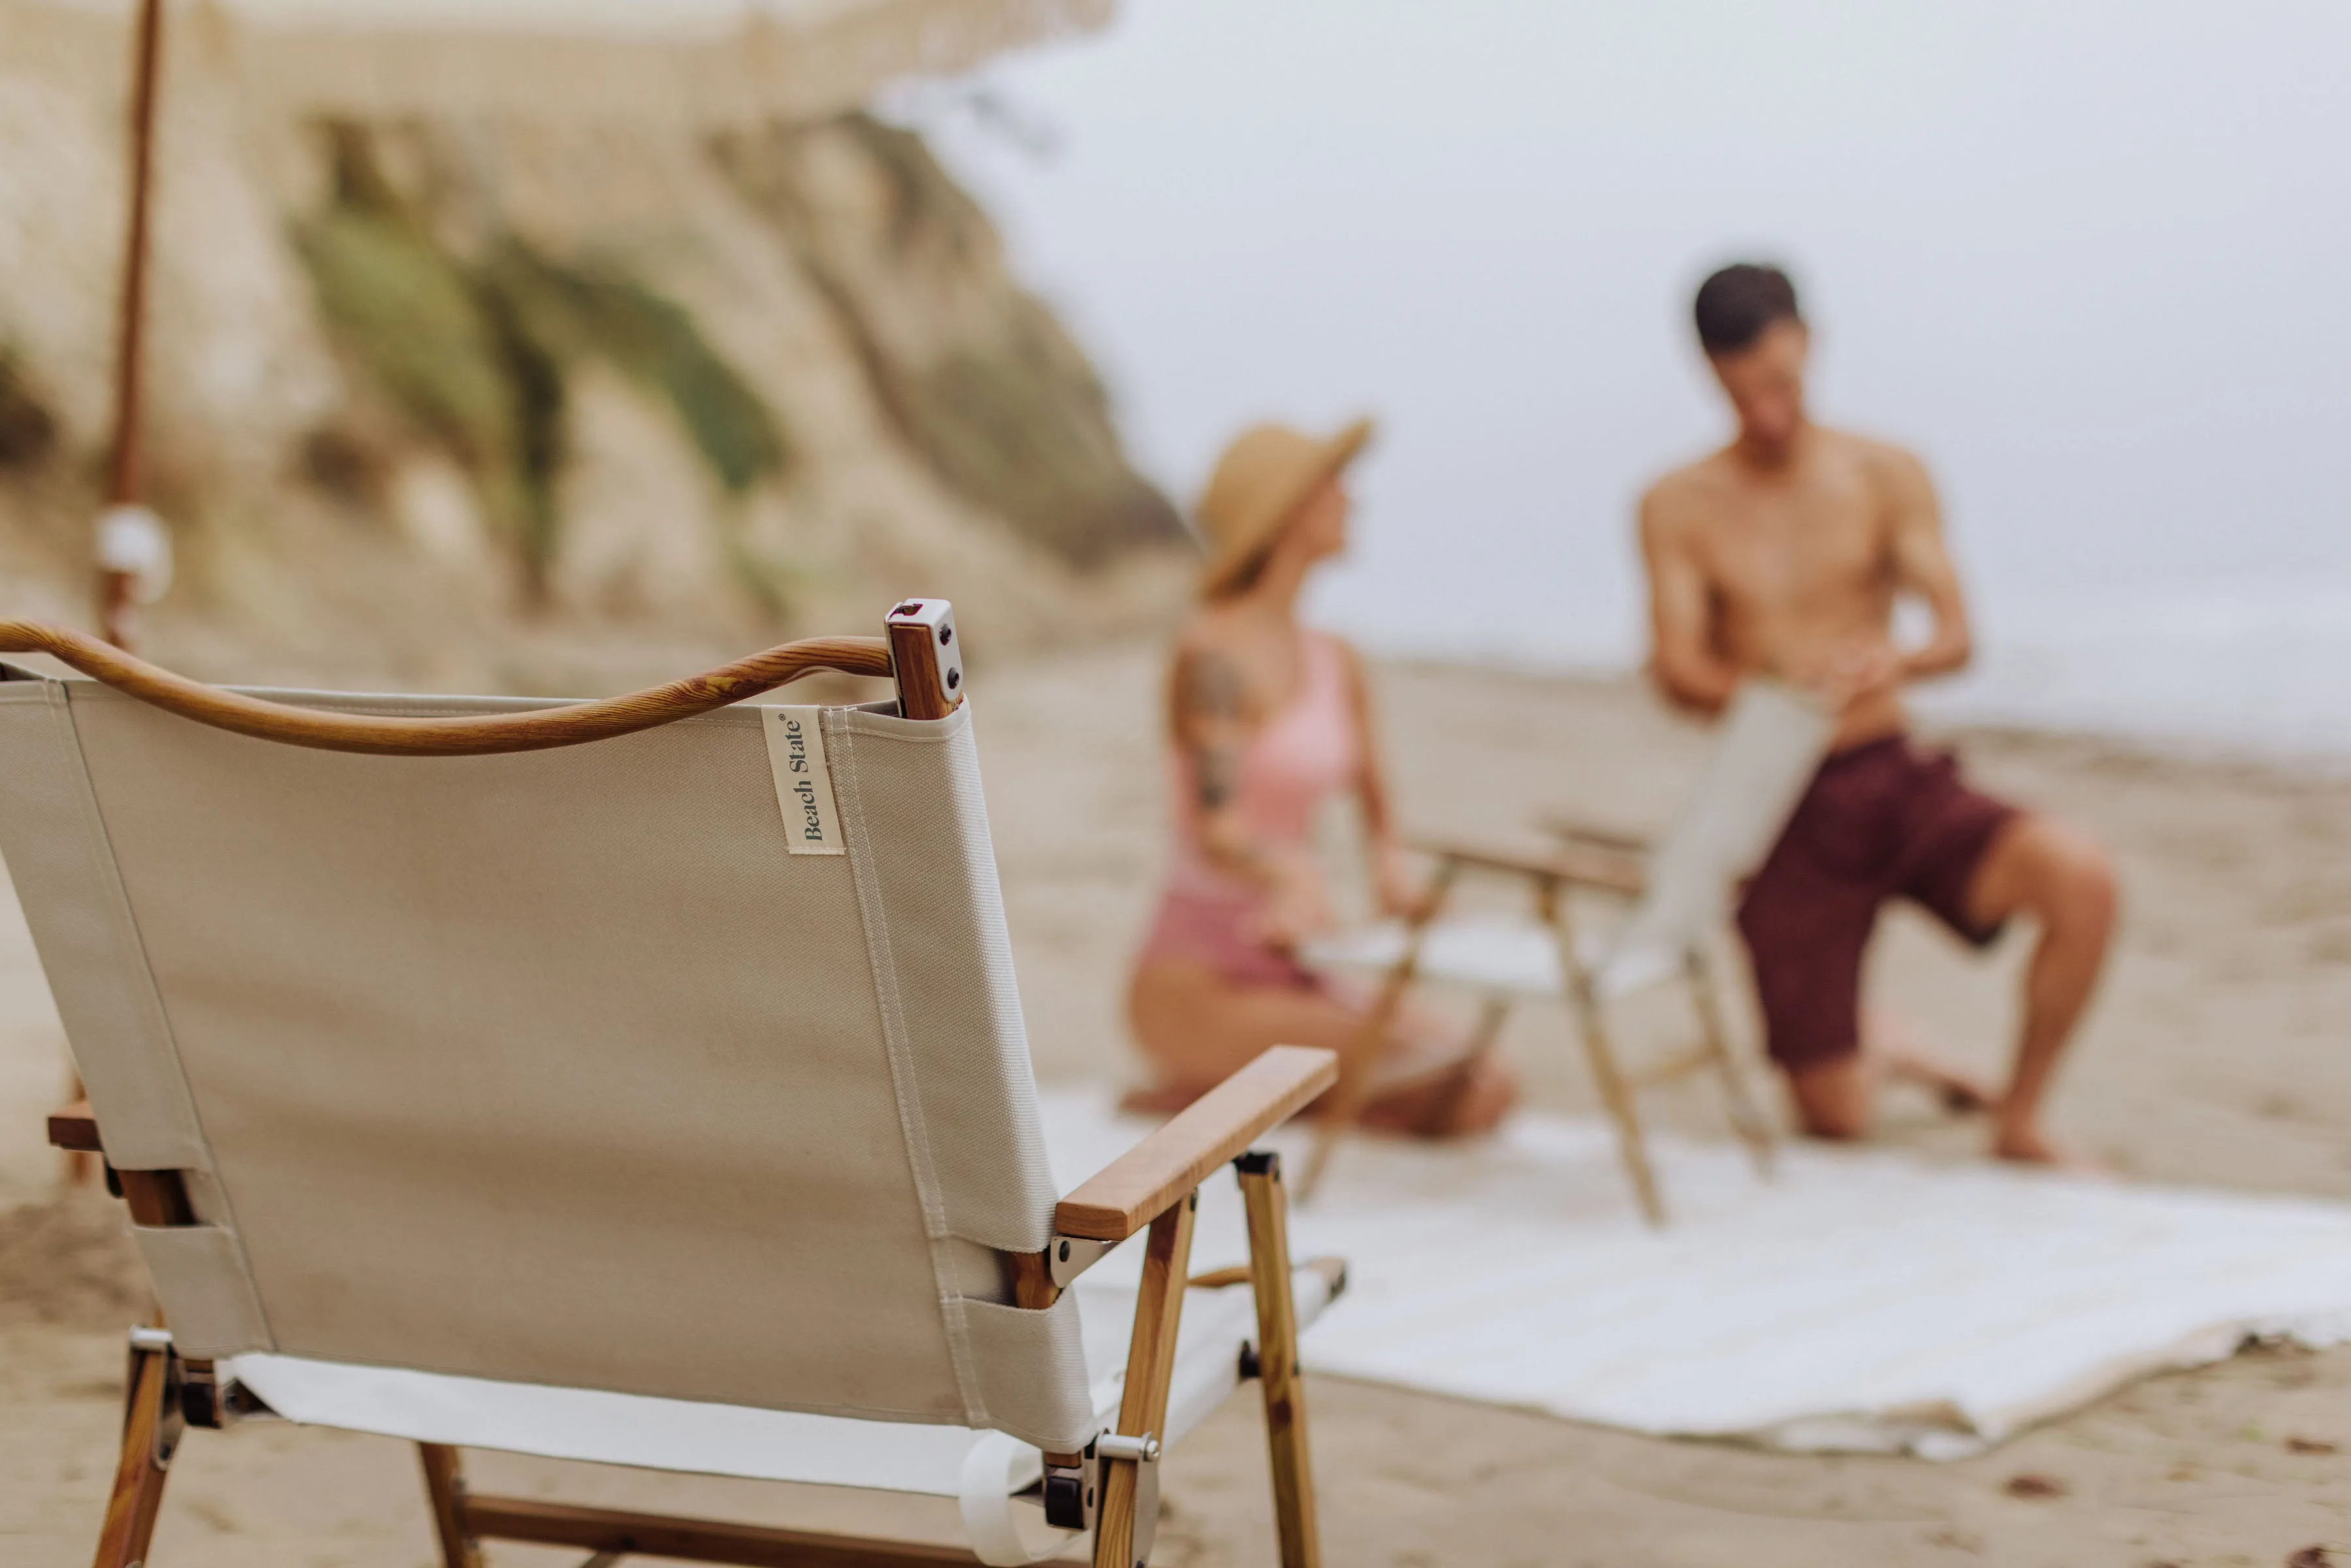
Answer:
(1302, 755)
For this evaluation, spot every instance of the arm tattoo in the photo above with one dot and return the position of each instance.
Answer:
(1211, 689)
(1217, 770)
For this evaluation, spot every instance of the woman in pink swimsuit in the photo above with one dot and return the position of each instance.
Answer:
(1269, 721)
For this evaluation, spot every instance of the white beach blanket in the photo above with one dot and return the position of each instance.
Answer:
(1863, 1301)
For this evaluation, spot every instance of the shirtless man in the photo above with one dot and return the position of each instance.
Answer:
(1783, 554)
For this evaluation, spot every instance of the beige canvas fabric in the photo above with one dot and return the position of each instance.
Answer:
(556, 1067)
(1769, 746)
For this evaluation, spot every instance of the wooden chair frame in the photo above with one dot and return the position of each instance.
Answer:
(1589, 861)
(1153, 1187)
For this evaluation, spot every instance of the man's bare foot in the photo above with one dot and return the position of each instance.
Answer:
(1955, 1091)
(1900, 1055)
(2023, 1142)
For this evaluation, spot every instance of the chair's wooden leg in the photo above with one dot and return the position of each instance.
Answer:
(1344, 1105)
(1617, 1098)
(1591, 1029)
(149, 1432)
(1150, 1364)
(1276, 1359)
(445, 1486)
(1746, 1118)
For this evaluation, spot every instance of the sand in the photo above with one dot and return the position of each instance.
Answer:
(2212, 1057)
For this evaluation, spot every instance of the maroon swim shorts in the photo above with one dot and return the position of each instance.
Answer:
(1883, 819)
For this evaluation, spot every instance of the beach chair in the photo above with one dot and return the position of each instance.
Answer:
(1677, 895)
(639, 1082)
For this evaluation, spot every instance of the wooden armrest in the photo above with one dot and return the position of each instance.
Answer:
(1575, 832)
(76, 1129)
(1140, 1185)
(1607, 870)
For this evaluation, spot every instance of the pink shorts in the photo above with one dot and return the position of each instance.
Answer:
(1215, 929)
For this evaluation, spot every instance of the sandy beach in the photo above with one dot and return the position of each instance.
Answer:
(2213, 1058)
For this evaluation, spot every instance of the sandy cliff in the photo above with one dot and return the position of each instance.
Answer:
(549, 406)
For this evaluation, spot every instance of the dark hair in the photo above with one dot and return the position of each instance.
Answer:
(1737, 304)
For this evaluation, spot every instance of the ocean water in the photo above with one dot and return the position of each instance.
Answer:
(2235, 668)
(2088, 260)
(2241, 669)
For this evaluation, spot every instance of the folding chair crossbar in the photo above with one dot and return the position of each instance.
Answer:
(616, 1533)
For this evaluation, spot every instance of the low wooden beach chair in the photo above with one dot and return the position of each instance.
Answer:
(1677, 895)
(639, 1082)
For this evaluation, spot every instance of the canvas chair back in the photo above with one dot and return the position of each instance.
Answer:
(1765, 752)
(559, 1067)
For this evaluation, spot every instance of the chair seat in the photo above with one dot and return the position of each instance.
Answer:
(764, 1445)
(1518, 957)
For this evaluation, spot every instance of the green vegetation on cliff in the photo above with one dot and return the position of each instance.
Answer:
(29, 431)
(476, 352)
(999, 402)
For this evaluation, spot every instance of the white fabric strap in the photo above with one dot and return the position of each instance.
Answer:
(995, 1469)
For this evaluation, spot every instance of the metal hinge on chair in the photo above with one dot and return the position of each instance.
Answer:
(1074, 1493)
(1142, 1453)
(1071, 1256)
(196, 1393)
(212, 1399)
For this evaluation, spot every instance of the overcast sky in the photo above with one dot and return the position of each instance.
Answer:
(2092, 260)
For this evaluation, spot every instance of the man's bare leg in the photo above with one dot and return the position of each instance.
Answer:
(1890, 1044)
(2041, 868)
(1832, 1099)
(1836, 1099)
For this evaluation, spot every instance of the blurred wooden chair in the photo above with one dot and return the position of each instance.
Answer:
(639, 1082)
(1675, 895)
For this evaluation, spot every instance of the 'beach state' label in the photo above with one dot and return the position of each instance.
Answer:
(803, 784)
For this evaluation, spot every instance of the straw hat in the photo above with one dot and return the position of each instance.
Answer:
(1264, 477)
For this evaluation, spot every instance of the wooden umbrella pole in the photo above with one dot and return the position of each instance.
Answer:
(124, 487)
(117, 588)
